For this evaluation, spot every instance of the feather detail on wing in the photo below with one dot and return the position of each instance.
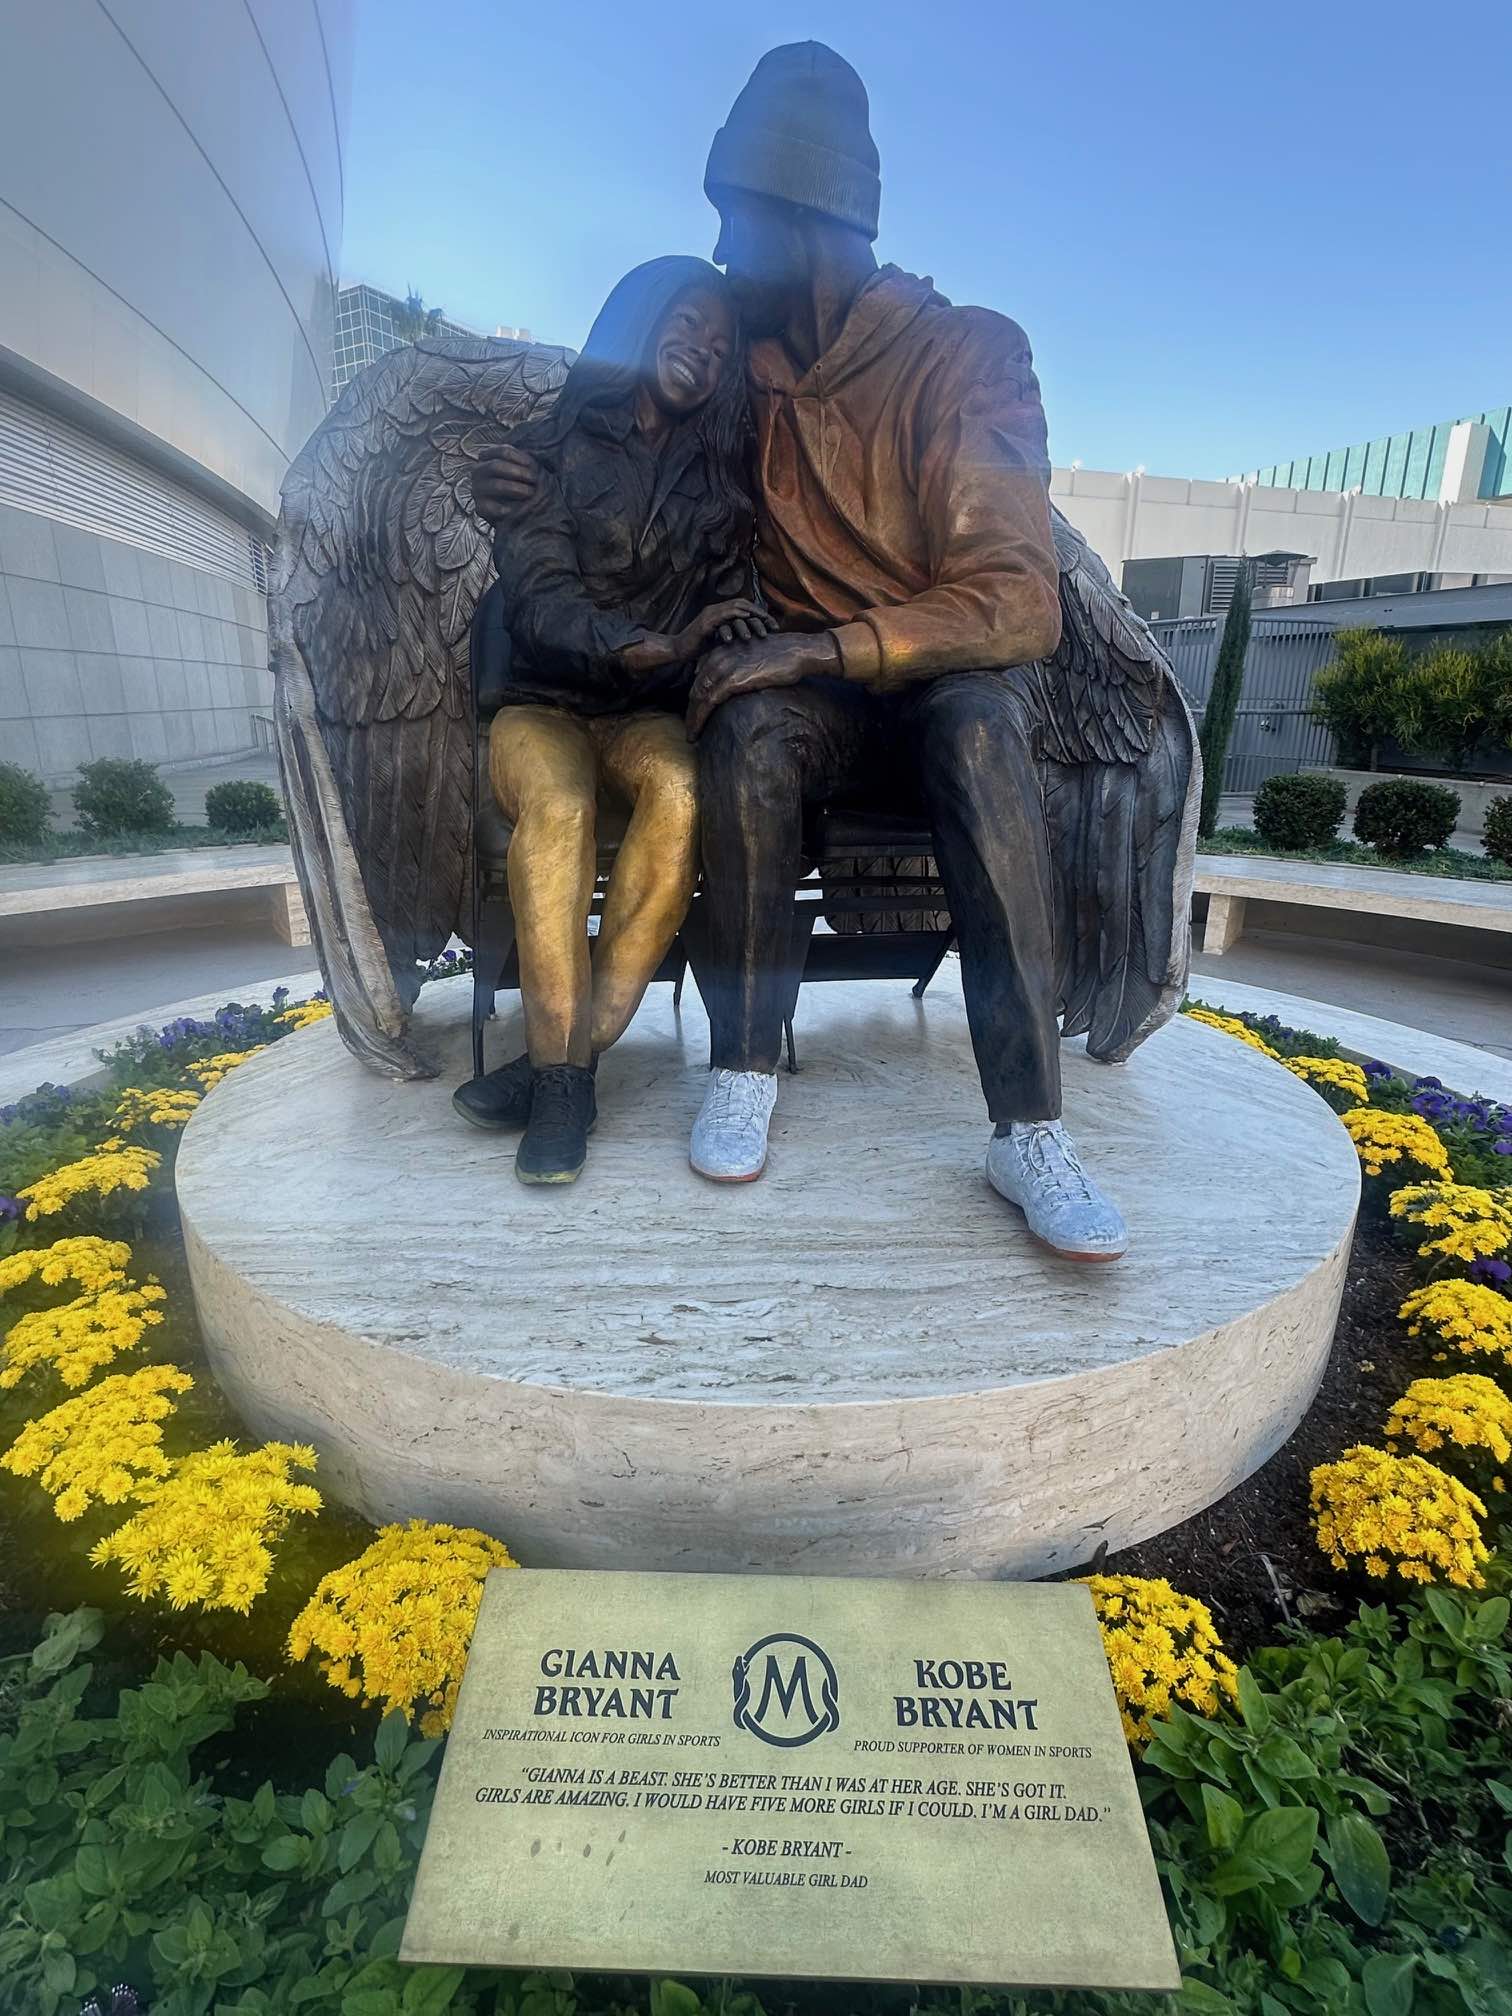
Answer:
(1122, 782)
(381, 561)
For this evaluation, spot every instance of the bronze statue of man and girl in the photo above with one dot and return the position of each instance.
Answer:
(783, 540)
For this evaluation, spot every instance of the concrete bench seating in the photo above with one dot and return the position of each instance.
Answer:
(64, 892)
(1231, 881)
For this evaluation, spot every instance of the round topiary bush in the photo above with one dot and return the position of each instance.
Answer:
(25, 806)
(1402, 817)
(1497, 837)
(1300, 811)
(120, 794)
(241, 806)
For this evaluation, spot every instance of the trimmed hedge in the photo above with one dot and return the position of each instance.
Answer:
(1300, 811)
(1404, 817)
(1498, 833)
(241, 806)
(25, 806)
(119, 794)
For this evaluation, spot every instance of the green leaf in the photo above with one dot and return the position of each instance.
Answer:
(349, 1890)
(1490, 1620)
(1224, 1817)
(393, 1734)
(1253, 1705)
(314, 1812)
(674, 1998)
(429, 1990)
(284, 1854)
(340, 1774)
(93, 1868)
(355, 1839)
(1388, 1984)
(1285, 1758)
(1282, 1839)
(59, 1971)
(1361, 1867)
(1196, 1995)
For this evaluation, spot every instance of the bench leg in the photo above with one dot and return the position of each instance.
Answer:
(288, 912)
(1225, 923)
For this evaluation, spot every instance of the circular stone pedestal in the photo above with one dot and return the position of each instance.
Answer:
(860, 1364)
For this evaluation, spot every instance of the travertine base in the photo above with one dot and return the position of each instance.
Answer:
(860, 1364)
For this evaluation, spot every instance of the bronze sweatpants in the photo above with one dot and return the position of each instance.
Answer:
(549, 769)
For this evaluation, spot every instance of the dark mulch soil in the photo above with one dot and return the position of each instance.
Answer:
(1252, 1557)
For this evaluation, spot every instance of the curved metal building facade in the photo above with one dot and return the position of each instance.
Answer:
(171, 188)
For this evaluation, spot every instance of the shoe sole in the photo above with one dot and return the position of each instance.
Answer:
(536, 1180)
(709, 1175)
(486, 1126)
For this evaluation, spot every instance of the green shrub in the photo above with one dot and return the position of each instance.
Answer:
(1403, 817)
(242, 807)
(1446, 704)
(1300, 811)
(25, 806)
(120, 795)
(1498, 834)
(1358, 696)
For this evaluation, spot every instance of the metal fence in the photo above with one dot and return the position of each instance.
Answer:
(1272, 729)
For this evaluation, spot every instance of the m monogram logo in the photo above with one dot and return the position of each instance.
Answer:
(796, 1690)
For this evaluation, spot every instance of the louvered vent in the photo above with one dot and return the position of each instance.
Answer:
(50, 466)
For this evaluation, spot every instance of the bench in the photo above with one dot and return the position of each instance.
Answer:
(53, 889)
(1231, 881)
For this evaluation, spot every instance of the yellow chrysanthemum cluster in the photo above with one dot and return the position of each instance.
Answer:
(1162, 1647)
(103, 1444)
(1465, 1314)
(303, 1013)
(153, 1106)
(1400, 1512)
(1341, 1083)
(86, 1261)
(1386, 1140)
(1464, 1412)
(1231, 1026)
(210, 1070)
(205, 1531)
(1471, 1223)
(395, 1624)
(109, 1169)
(79, 1337)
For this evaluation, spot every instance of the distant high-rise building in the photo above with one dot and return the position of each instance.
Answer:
(365, 331)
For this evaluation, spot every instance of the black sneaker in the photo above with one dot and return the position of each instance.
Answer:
(562, 1113)
(498, 1100)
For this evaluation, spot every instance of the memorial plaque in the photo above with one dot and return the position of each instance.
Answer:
(783, 1775)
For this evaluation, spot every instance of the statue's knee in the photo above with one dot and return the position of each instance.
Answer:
(753, 729)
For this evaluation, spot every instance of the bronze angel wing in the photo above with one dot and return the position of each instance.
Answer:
(1123, 782)
(380, 564)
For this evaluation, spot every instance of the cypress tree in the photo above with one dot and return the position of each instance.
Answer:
(1223, 700)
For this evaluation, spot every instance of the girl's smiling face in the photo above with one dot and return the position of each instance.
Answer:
(692, 348)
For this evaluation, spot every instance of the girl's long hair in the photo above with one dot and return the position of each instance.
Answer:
(618, 355)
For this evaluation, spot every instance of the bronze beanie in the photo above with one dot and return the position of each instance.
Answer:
(799, 131)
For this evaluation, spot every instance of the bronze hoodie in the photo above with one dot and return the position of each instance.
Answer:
(903, 488)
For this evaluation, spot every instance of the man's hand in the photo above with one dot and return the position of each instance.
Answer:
(733, 669)
(508, 476)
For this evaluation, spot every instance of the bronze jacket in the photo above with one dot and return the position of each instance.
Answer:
(903, 492)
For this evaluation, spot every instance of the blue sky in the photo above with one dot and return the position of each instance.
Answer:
(1233, 233)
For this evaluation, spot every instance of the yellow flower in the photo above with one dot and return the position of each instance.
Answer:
(1378, 1509)
(111, 1168)
(1384, 1140)
(156, 1106)
(1338, 1081)
(1467, 1412)
(1471, 1223)
(79, 1337)
(99, 1446)
(302, 1013)
(87, 1262)
(402, 1613)
(1231, 1026)
(1161, 1647)
(1466, 1314)
(206, 1528)
(210, 1070)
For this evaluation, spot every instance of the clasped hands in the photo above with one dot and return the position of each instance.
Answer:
(749, 655)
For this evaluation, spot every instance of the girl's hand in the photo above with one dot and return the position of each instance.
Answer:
(738, 621)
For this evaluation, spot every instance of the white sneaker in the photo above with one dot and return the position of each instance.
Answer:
(1035, 1166)
(729, 1142)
